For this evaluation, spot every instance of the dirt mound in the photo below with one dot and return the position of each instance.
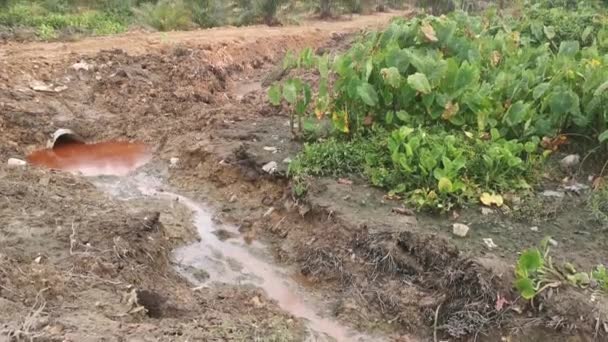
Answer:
(76, 264)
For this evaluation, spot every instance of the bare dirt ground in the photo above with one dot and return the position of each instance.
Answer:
(77, 264)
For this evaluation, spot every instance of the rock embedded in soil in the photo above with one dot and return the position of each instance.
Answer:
(460, 230)
(16, 162)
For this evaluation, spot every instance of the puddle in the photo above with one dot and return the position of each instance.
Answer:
(105, 158)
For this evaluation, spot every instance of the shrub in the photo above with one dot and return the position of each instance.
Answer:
(166, 15)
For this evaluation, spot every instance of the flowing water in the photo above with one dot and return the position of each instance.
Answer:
(229, 261)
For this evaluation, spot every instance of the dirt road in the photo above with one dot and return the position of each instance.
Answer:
(144, 43)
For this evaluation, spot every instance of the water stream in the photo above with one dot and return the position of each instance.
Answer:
(229, 261)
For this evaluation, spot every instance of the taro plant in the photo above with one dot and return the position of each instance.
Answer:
(535, 272)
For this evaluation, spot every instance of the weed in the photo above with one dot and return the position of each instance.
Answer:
(597, 204)
(464, 100)
(165, 15)
(535, 272)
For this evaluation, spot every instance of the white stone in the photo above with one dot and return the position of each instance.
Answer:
(16, 162)
(270, 167)
(460, 229)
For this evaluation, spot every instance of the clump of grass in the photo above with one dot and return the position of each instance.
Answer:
(49, 23)
(165, 15)
(598, 205)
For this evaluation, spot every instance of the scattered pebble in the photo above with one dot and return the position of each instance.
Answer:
(534, 229)
(173, 161)
(270, 168)
(489, 243)
(570, 161)
(553, 243)
(576, 188)
(257, 302)
(232, 199)
(271, 149)
(287, 160)
(269, 212)
(81, 66)
(551, 193)
(486, 211)
(460, 229)
(16, 162)
(403, 211)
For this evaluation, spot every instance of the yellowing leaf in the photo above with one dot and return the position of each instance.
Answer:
(451, 109)
(429, 33)
(489, 200)
(495, 58)
(445, 185)
(340, 120)
(320, 114)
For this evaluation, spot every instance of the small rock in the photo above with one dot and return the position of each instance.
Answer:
(551, 193)
(173, 161)
(553, 243)
(257, 302)
(570, 161)
(403, 211)
(460, 229)
(287, 160)
(44, 181)
(486, 211)
(534, 229)
(16, 162)
(232, 199)
(270, 167)
(489, 243)
(576, 188)
(269, 212)
(271, 149)
(81, 66)
(39, 259)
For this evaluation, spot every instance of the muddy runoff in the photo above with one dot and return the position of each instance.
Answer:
(217, 258)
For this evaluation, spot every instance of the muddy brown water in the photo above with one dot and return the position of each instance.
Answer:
(115, 158)
(226, 261)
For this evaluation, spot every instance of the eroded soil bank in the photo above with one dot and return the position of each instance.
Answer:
(74, 257)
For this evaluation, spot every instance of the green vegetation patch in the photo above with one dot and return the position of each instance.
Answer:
(461, 103)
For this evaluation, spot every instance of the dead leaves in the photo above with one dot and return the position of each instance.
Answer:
(429, 33)
(489, 200)
(450, 110)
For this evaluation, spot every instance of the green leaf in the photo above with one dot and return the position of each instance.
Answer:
(588, 30)
(569, 48)
(530, 147)
(368, 94)
(525, 286)
(445, 185)
(403, 116)
(274, 94)
(564, 102)
(389, 117)
(602, 88)
(603, 137)
(290, 92)
(530, 261)
(391, 76)
(324, 66)
(540, 90)
(399, 59)
(549, 32)
(516, 114)
(369, 67)
(419, 82)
